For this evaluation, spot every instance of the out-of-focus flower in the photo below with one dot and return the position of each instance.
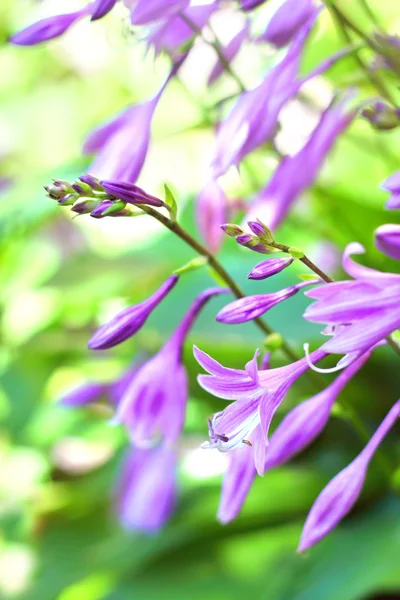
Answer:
(297, 173)
(382, 116)
(100, 8)
(251, 307)
(270, 267)
(237, 482)
(250, 4)
(392, 185)
(48, 28)
(257, 395)
(229, 52)
(287, 21)
(338, 498)
(84, 394)
(147, 11)
(359, 313)
(387, 240)
(211, 208)
(146, 492)
(155, 403)
(126, 323)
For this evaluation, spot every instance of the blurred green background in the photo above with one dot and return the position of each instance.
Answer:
(60, 278)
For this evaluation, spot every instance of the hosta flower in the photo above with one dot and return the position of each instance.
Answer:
(387, 240)
(270, 267)
(257, 395)
(48, 28)
(146, 492)
(211, 207)
(251, 307)
(287, 20)
(392, 185)
(147, 11)
(127, 322)
(297, 173)
(338, 498)
(359, 313)
(229, 51)
(155, 402)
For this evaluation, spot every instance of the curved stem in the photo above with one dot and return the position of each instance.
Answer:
(305, 260)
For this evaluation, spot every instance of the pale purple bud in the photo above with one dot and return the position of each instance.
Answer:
(253, 243)
(126, 323)
(93, 182)
(210, 214)
(47, 29)
(382, 116)
(108, 208)
(100, 8)
(387, 240)
(231, 229)
(269, 267)
(338, 498)
(130, 193)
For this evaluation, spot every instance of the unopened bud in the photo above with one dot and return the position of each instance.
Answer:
(84, 188)
(254, 243)
(273, 342)
(382, 116)
(91, 181)
(107, 208)
(85, 206)
(261, 230)
(68, 200)
(232, 229)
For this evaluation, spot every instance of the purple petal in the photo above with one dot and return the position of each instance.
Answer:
(365, 273)
(84, 394)
(214, 367)
(211, 209)
(146, 11)
(387, 240)
(101, 7)
(287, 20)
(131, 193)
(237, 483)
(269, 267)
(47, 29)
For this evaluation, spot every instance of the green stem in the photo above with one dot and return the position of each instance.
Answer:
(305, 260)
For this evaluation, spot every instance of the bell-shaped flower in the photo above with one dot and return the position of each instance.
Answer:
(287, 21)
(229, 51)
(257, 395)
(251, 307)
(387, 240)
(211, 208)
(147, 11)
(48, 28)
(338, 498)
(127, 322)
(297, 173)
(269, 267)
(237, 482)
(392, 185)
(99, 8)
(155, 402)
(146, 493)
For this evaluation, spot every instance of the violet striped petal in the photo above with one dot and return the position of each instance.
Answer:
(47, 29)
(365, 273)
(131, 193)
(269, 267)
(236, 484)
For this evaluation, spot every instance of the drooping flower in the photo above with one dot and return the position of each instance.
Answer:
(338, 498)
(211, 207)
(154, 404)
(257, 395)
(296, 173)
(359, 313)
(127, 322)
(270, 267)
(48, 28)
(147, 11)
(387, 240)
(229, 52)
(146, 493)
(251, 307)
(287, 21)
(392, 185)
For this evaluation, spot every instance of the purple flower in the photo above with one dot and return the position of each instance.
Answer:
(250, 4)
(126, 323)
(387, 240)
(146, 492)
(338, 498)
(251, 307)
(48, 28)
(236, 484)
(229, 52)
(287, 21)
(84, 394)
(269, 267)
(359, 313)
(257, 395)
(100, 8)
(297, 173)
(253, 243)
(392, 185)
(211, 208)
(155, 402)
(147, 11)
(130, 193)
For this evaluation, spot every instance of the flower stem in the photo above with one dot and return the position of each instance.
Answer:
(305, 260)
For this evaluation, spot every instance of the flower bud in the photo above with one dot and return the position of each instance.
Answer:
(68, 200)
(82, 188)
(261, 230)
(232, 230)
(130, 193)
(382, 116)
(92, 181)
(107, 208)
(253, 243)
(85, 206)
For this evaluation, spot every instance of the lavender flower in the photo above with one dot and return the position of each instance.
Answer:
(297, 173)
(250, 4)
(269, 267)
(48, 28)
(257, 395)
(358, 313)
(211, 213)
(392, 185)
(251, 307)
(236, 484)
(146, 493)
(287, 21)
(155, 402)
(147, 11)
(338, 498)
(84, 394)
(229, 52)
(387, 240)
(126, 323)
(101, 7)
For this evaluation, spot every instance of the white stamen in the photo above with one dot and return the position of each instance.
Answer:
(343, 362)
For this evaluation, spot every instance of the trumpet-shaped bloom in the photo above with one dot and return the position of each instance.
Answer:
(387, 240)
(359, 313)
(251, 307)
(48, 28)
(229, 52)
(257, 395)
(296, 173)
(155, 402)
(392, 185)
(127, 322)
(338, 498)
(269, 267)
(147, 11)
(146, 493)
(287, 21)
(211, 209)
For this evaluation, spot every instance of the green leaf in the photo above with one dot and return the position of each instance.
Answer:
(171, 202)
